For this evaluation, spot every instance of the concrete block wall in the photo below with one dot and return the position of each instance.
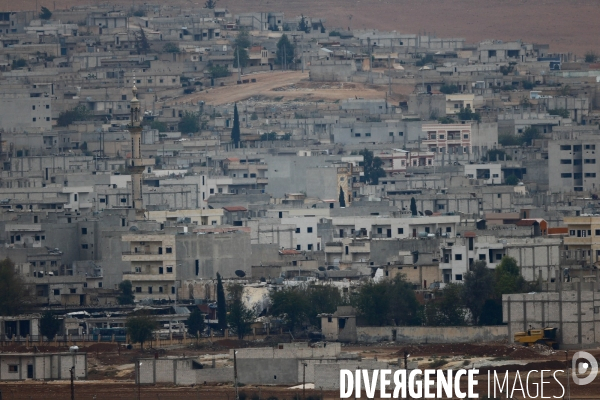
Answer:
(268, 371)
(576, 314)
(163, 370)
(463, 334)
(214, 375)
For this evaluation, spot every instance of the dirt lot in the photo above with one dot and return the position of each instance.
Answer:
(111, 372)
(284, 85)
(565, 25)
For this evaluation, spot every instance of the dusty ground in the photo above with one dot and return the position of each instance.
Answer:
(565, 25)
(286, 85)
(111, 374)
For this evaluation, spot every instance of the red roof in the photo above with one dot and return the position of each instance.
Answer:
(235, 208)
(469, 234)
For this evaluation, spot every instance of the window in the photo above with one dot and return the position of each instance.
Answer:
(33, 107)
(34, 119)
(72, 290)
(84, 246)
(310, 247)
(99, 284)
(297, 230)
(400, 231)
(355, 135)
(590, 174)
(123, 97)
(161, 270)
(448, 229)
(590, 161)
(442, 137)
(149, 289)
(565, 161)
(566, 147)
(298, 247)
(13, 368)
(458, 277)
(56, 292)
(309, 229)
(566, 175)
(368, 134)
(466, 136)
(138, 289)
(572, 232)
(160, 289)
(84, 231)
(458, 257)
(391, 133)
(172, 289)
(400, 133)
(379, 230)
(441, 206)
(494, 175)
(482, 257)
(169, 250)
(498, 257)
(169, 270)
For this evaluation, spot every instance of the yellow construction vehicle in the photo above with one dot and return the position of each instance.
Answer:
(546, 336)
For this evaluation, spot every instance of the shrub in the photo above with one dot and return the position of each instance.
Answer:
(438, 363)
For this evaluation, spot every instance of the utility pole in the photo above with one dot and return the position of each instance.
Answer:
(72, 371)
(239, 65)
(369, 50)
(235, 377)
(302, 50)
(304, 381)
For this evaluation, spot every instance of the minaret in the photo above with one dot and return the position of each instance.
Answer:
(136, 164)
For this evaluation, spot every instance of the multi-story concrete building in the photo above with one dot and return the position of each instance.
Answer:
(583, 241)
(573, 164)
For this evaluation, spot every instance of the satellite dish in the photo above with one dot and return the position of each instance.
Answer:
(240, 273)
(321, 268)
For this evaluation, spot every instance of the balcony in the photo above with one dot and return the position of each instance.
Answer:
(140, 277)
(578, 241)
(129, 256)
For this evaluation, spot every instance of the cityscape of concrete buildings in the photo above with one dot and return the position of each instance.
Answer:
(120, 162)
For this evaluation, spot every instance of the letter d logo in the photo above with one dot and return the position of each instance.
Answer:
(583, 367)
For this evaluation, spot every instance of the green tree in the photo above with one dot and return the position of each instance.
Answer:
(79, 113)
(217, 71)
(478, 287)
(19, 63)
(221, 305)
(449, 89)
(591, 57)
(49, 325)
(159, 125)
(240, 46)
(303, 25)
(466, 114)
(141, 41)
(126, 296)
(342, 198)
(196, 323)
(285, 52)
(511, 180)
(189, 124)
(413, 207)
(45, 13)
(508, 277)
(563, 112)
(13, 295)
(140, 328)
(529, 135)
(291, 304)
(235, 130)
(240, 317)
(373, 167)
(210, 4)
(171, 48)
(322, 299)
(447, 309)
(388, 301)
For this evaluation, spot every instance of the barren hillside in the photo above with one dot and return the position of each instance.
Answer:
(565, 25)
